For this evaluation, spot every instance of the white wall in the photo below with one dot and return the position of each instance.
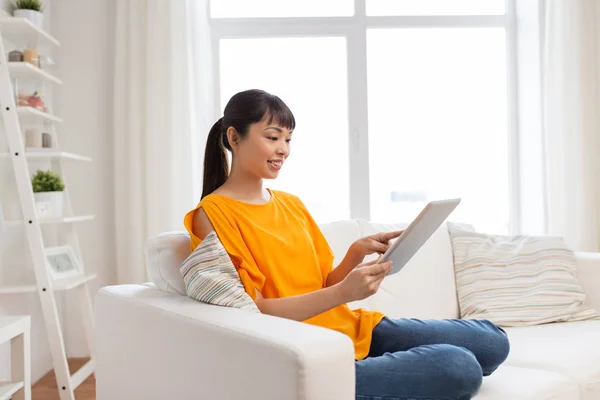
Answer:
(85, 29)
(84, 63)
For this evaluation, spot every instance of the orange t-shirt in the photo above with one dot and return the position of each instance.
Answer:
(278, 249)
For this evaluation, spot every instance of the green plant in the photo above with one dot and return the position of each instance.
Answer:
(47, 181)
(35, 5)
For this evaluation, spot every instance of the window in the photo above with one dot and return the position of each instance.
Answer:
(435, 7)
(397, 102)
(438, 126)
(278, 8)
(317, 95)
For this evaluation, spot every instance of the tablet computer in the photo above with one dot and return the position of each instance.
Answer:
(418, 232)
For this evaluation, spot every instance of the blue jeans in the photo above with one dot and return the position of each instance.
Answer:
(412, 359)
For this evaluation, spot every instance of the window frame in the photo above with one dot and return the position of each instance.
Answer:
(354, 29)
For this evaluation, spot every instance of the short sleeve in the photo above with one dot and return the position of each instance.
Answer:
(251, 276)
(324, 252)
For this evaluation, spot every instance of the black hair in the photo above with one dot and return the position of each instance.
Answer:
(243, 109)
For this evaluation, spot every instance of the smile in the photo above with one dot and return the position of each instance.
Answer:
(275, 164)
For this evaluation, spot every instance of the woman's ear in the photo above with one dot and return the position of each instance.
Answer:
(232, 137)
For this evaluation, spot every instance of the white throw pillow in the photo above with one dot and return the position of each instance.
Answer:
(164, 254)
(516, 280)
(210, 276)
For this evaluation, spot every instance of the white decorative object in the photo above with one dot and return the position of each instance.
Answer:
(33, 138)
(62, 262)
(49, 204)
(35, 17)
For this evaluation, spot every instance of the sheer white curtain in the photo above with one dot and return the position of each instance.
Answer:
(571, 111)
(162, 100)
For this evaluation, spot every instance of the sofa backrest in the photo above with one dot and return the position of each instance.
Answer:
(425, 288)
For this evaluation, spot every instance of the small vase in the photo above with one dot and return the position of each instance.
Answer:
(34, 138)
(36, 17)
(49, 204)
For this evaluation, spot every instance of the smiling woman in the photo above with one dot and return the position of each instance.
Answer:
(282, 258)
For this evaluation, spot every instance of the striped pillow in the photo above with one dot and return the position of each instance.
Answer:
(210, 277)
(516, 280)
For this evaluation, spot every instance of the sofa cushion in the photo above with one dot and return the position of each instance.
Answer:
(518, 383)
(340, 235)
(164, 255)
(570, 348)
(516, 280)
(210, 276)
(424, 288)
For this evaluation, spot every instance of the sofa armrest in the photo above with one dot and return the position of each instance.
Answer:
(588, 273)
(156, 345)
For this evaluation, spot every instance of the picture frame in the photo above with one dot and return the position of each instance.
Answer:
(62, 262)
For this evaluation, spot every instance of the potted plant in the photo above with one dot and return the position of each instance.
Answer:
(48, 194)
(30, 9)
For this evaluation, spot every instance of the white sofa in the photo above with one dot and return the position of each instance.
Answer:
(154, 343)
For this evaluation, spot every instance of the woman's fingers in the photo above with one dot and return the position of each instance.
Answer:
(385, 236)
(380, 247)
(366, 264)
(379, 269)
(377, 279)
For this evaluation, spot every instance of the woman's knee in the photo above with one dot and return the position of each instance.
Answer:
(458, 370)
(498, 347)
(428, 371)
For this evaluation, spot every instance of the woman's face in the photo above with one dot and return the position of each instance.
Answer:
(264, 149)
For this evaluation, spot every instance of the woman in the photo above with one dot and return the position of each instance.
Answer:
(286, 266)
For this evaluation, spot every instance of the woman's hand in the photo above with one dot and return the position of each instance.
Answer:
(363, 281)
(377, 243)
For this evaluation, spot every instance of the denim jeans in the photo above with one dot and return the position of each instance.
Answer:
(412, 359)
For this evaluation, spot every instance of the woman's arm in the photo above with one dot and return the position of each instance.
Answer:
(360, 283)
(351, 260)
(301, 307)
(377, 243)
(365, 282)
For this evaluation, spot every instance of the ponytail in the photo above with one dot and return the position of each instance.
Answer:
(216, 165)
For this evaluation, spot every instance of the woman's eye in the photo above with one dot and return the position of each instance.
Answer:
(273, 138)
(289, 140)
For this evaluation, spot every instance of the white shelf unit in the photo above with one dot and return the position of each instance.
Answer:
(23, 34)
(48, 154)
(63, 220)
(58, 285)
(7, 389)
(25, 70)
(32, 115)
(16, 330)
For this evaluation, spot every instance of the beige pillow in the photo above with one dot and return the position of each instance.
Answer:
(516, 280)
(210, 276)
